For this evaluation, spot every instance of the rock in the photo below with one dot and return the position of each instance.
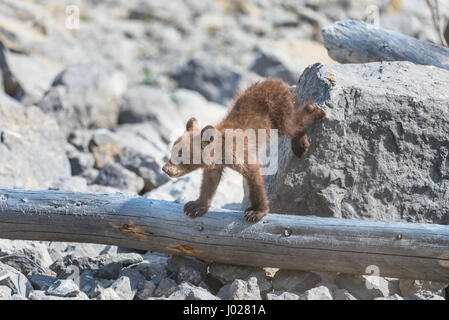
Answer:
(150, 104)
(393, 297)
(41, 295)
(165, 288)
(80, 162)
(5, 293)
(108, 294)
(268, 65)
(14, 280)
(75, 184)
(277, 295)
(367, 287)
(18, 297)
(34, 250)
(229, 193)
(114, 175)
(374, 156)
(228, 273)
(241, 290)
(122, 288)
(424, 295)
(135, 151)
(136, 279)
(84, 96)
(42, 281)
(190, 275)
(11, 85)
(63, 288)
(265, 285)
(192, 104)
(32, 148)
(186, 291)
(343, 294)
(410, 287)
(216, 82)
(154, 267)
(294, 281)
(318, 293)
(147, 291)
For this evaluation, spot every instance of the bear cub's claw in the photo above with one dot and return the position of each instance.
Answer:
(255, 215)
(194, 209)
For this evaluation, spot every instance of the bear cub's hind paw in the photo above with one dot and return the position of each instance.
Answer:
(194, 209)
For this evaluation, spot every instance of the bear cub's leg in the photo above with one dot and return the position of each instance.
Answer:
(257, 195)
(211, 180)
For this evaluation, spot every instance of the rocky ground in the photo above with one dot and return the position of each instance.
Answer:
(94, 110)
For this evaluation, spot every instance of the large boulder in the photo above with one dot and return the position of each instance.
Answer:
(84, 96)
(383, 151)
(32, 147)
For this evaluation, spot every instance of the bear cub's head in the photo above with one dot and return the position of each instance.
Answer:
(191, 151)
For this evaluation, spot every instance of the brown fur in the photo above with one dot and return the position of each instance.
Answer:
(269, 104)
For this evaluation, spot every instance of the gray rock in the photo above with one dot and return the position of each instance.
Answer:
(265, 284)
(277, 295)
(228, 273)
(393, 297)
(108, 294)
(63, 288)
(5, 293)
(139, 153)
(375, 155)
(114, 175)
(268, 65)
(18, 297)
(318, 293)
(150, 104)
(424, 295)
(41, 295)
(192, 104)
(147, 290)
(165, 288)
(34, 250)
(11, 85)
(294, 281)
(42, 281)
(187, 291)
(75, 184)
(216, 82)
(122, 288)
(80, 162)
(241, 290)
(84, 96)
(14, 280)
(343, 294)
(32, 147)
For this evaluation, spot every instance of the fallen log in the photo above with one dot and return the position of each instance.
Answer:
(401, 250)
(357, 42)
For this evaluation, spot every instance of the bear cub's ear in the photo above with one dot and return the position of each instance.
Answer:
(208, 135)
(192, 124)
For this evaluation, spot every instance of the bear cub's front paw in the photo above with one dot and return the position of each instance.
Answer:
(194, 209)
(255, 214)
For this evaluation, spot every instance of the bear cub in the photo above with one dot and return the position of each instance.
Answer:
(269, 104)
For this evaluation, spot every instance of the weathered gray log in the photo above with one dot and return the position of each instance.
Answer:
(357, 42)
(402, 250)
